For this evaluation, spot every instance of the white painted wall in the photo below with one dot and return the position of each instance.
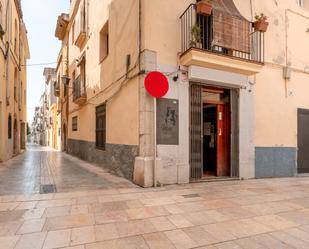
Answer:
(174, 166)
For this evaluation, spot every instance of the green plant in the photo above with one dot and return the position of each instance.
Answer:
(159, 184)
(261, 17)
(195, 36)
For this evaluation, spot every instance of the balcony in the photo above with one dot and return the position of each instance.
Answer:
(222, 41)
(79, 91)
(57, 89)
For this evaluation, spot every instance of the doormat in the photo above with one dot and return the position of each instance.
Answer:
(48, 188)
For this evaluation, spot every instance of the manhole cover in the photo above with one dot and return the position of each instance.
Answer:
(48, 188)
(191, 196)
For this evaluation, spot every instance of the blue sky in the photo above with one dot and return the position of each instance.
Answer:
(40, 17)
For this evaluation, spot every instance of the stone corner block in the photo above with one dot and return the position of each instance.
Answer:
(143, 172)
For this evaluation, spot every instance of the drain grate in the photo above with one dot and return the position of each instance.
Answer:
(48, 188)
(191, 196)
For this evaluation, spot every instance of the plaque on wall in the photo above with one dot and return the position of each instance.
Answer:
(168, 121)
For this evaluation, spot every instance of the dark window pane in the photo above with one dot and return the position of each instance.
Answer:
(100, 126)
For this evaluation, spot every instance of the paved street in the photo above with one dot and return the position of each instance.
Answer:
(95, 210)
(41, 166)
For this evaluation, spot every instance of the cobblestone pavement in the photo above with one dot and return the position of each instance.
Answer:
(41, 166)
(270, 213)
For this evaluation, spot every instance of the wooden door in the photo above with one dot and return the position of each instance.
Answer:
(196, 156)
(223, 140)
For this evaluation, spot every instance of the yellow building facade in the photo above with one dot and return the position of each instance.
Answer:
(52, 108)
(237, 102)
(14, 54)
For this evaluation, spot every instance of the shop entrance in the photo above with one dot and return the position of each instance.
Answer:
(216, 132)
(210, 128)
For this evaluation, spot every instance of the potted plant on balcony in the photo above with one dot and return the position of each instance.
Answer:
(204, 7)
(195, 40)
(260, 23)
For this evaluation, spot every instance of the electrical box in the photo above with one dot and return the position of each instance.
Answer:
(287, 73)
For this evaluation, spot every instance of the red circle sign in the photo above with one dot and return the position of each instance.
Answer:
(156, 84)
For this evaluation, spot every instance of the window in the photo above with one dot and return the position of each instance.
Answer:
(73, 33)
(15, 84)
(10, 23)
(10, 127)
(1, 15)
(104, 42)
(20, 95)
(74, 123)
(83, 75)
(101, 126)
(65, 88)
(21, 51)
(15, 36)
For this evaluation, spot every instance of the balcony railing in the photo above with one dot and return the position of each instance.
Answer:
(197, 31)
(79, 91)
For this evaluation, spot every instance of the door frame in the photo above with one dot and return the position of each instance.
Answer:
(234, 126)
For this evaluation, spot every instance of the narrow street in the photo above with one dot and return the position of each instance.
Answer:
(93, 209)
(41, 169)
(138, 124)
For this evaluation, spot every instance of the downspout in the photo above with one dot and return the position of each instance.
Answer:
(251, 9)
(67, 97)
(139, 34)
(286, 52)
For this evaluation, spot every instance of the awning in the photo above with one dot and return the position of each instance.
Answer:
(230, 29)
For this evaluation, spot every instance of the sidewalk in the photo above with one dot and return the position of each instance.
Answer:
(271, 213)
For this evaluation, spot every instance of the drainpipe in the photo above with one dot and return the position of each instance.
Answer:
(286, 52)
(139, 33)
(67, 97)
(251, 9)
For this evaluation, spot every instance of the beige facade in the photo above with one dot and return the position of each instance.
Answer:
(13, 57)
(108, 48)
(51, 106)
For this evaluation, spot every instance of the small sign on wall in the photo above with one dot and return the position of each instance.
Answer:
(168, 121)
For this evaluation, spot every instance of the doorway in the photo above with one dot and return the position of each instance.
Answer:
(210, 128)
(22, 135)
(64, 132)
(216, 132)
(15, 138)
(303, 141)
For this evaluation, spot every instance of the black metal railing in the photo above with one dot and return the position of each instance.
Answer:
(79, 88)
(197, 32)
